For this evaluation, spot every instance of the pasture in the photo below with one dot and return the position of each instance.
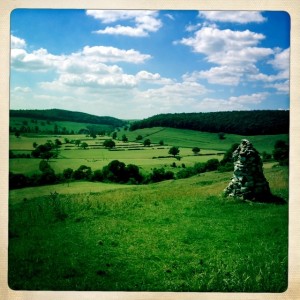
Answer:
(175, 235)
(133, 152)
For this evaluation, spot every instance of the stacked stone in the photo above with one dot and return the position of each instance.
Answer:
(248, 181)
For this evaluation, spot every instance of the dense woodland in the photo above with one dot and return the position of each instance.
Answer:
(65, 115)
(257, 122)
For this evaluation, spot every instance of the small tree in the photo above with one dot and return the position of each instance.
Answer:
(196, 150)
(221, 135)
(281, 152)
(77, 143)
(84, 145)
(139, 137)
(109, 144)
(161, 143)
(147, 142)
(124, 138)
(174, 151)
(114, 135)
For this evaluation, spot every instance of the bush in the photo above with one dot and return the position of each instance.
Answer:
(212, 164)
(186, 173)
(160, 175)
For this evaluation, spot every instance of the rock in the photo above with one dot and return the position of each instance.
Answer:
(248, 181)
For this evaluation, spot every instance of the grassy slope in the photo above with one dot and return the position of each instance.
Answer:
(203, 140)
(44, 126)
(171, 236)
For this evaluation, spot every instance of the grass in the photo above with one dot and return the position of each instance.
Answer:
(178, 235)
(203, 140)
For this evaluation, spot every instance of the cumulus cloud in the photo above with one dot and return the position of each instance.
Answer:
(242, 102)
(280, 79)
(235, 53)
(241, 17)
(17, 43)
(145, 21)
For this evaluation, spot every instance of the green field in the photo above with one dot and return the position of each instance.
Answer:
(176, 235)
(133, 152)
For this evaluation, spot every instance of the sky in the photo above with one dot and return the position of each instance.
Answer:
(132, 64)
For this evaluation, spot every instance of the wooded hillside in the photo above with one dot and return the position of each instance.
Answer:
(65, 115)
(238, 122)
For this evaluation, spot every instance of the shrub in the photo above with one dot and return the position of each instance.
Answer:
(212, 164)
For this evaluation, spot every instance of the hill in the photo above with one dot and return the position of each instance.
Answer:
(177, 235)
(259, 122)
(66, 115)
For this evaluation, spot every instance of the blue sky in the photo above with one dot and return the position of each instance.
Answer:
(133, 64)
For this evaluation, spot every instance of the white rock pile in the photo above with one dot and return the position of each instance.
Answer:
(248, 181)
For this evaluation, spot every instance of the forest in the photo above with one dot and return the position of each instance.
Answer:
(66, 115)
(257, 122)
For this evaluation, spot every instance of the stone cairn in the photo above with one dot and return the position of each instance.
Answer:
(248, 181)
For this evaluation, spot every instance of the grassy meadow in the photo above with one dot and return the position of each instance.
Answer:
(175, 235)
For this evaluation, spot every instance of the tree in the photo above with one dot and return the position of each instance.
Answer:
(221, 135)
(174, 151)
(109, 144)
(77, 142)
(139, 137)
(124, 138)
(114, 135)
(17, 134)
(161, 143)
(83, 172)
(196, 150)
(84, 145)
(67, 174)
(34, 145)
(147, 142)
(281, 152)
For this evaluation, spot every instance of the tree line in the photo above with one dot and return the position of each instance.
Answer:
(66, 115)
(258, 122)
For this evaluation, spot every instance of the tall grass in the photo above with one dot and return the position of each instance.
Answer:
(172, 236)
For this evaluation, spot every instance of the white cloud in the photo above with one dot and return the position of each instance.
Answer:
(242, 17)
(17, 43)
(209, 40)
(112, 54)
(243, 102)
(20, 89)
(224, 75)
(234, 52)
(145, 21)
(37, 61)
(279, 80)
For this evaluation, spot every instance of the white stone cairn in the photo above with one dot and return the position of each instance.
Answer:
(248, 181)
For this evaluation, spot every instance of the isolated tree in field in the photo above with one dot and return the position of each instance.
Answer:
(139, 137)
(77, 143)
(196, 150)
(109, 144)
(17, 134)
(174, 151)
(147, 142)
(84, 145)
(161, 143)
(221, 135)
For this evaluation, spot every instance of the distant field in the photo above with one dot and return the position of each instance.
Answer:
(133, 152)
(44, 125)
(203, 140)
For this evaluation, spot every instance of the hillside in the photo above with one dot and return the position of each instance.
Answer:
(235, 122)
(177, 235)
(66, 115)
